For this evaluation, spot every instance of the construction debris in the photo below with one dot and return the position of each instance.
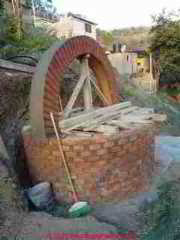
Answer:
(111, 119)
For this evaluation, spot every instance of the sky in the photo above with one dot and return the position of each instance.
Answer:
(113, 14)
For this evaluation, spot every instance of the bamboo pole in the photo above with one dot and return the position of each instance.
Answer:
(63, 158)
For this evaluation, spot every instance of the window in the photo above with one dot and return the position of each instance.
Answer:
(88, 28)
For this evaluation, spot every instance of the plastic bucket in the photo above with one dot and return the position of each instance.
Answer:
(79, 209)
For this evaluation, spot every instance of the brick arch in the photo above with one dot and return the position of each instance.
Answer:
(46, 82)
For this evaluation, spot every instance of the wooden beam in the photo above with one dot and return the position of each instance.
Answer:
(100, 94)
(85, 118)
(87, 91)
(108, 117)
(107, 129)
(16, 66)
(75, 93)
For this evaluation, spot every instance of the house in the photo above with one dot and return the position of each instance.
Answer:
(71, 25)
(124, 62)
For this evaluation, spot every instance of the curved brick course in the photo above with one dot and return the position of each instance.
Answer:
(46, 82)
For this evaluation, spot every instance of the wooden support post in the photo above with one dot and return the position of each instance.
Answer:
(87, 91)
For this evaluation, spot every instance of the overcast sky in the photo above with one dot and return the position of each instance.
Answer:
(111, 14)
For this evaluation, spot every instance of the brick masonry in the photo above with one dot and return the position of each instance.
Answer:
(104, 168)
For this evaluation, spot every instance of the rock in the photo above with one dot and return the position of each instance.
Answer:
(3, 151)
(122, 215)
(41, 196)
(167, 154)
(43, 225)
(3, 170)
(143, 199)
(125, 215)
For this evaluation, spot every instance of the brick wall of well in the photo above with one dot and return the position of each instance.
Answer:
(104, 168)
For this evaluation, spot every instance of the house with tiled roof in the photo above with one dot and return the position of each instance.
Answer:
(71, 25)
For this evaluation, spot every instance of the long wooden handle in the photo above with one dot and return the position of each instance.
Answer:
(63, 158)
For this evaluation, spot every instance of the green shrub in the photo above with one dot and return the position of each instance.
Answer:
(163, 216)
(128, 91)
(37, 41)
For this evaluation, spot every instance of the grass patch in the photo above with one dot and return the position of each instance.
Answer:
(129, 91)
(170, 91)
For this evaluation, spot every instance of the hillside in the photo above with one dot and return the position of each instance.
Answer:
(133, 37)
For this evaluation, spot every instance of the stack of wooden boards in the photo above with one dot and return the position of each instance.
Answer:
(111, 119)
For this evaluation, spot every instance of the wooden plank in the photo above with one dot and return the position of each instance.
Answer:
(144, 118)
(16, 66)
(82, 134)
(107, 129)
(129, 125)
(121, 124)
(107, 117)
(74, 96)
(100, 94)
(142, 111)
(85, 118)
(159, 117)
(76, 111)
(76, 90)
(130, 121)
(130, 118)
(128, 110)
(102, 119)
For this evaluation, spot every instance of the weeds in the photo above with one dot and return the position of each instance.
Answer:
(163, 216)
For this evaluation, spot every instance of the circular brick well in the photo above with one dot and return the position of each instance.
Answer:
(103, 168)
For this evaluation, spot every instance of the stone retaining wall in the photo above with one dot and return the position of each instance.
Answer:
(104, 168)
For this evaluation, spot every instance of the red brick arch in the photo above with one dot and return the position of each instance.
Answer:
(46, 82)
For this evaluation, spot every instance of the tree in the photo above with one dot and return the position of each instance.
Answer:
(11, 26)
(165, 45)
(1, 5)
(105, 37)
(43, 8)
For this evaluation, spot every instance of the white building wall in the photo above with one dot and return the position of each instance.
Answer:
(70, 27)
(125, 63)
(79, 29)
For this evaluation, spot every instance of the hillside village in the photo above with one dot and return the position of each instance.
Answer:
(89, 126)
